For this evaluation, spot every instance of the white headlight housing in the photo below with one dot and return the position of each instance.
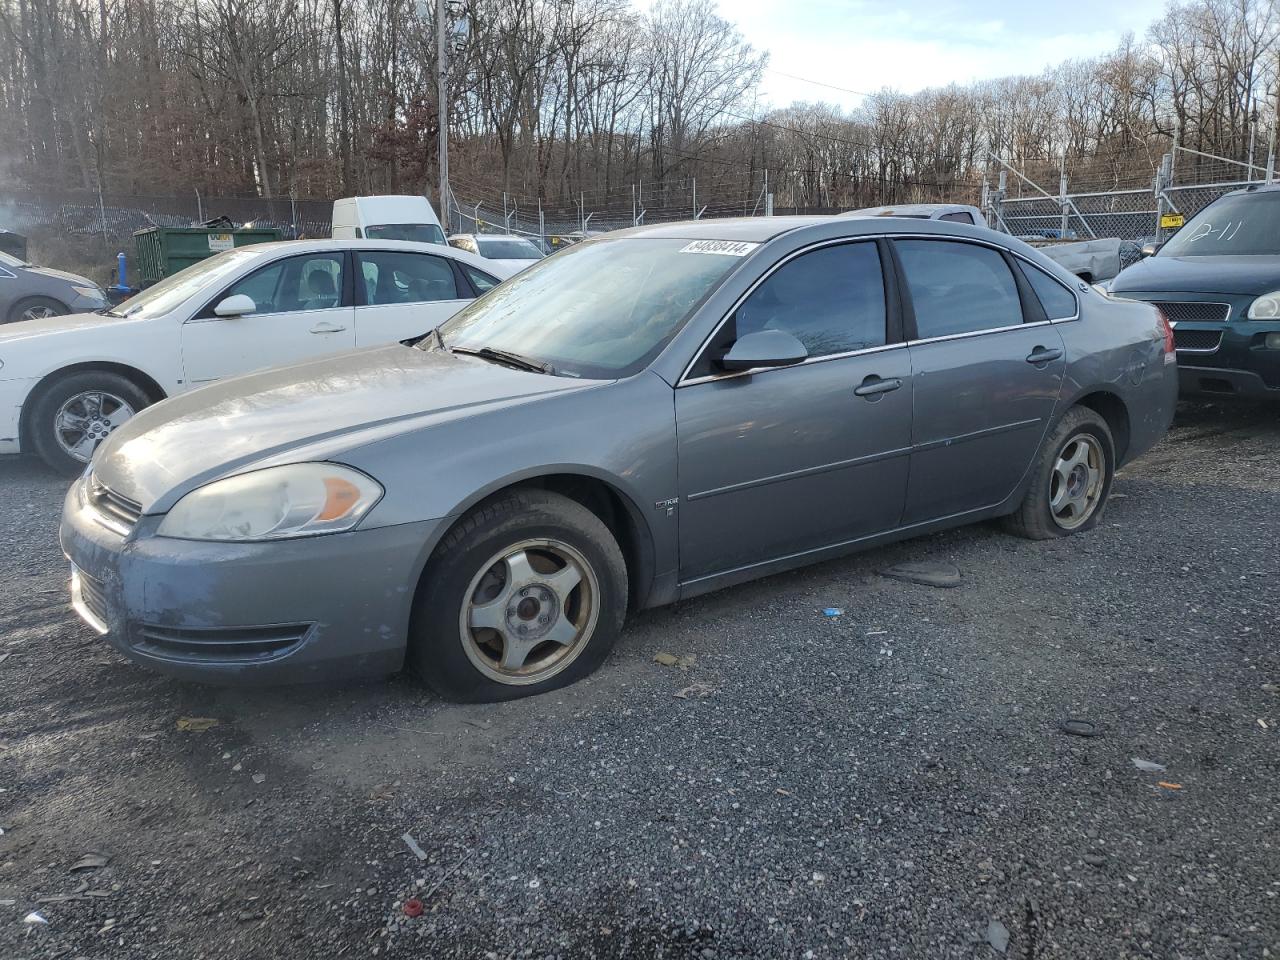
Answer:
(1266, 307)
(297, 500)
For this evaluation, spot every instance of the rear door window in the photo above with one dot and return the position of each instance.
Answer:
(392, 277)
(958, 287)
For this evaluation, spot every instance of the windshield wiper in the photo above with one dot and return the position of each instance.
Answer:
(111, 312)
(510, 359)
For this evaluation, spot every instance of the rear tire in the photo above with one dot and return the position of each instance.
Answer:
(92, 402)
(36, 308)
(1072, 479)
(525, 595)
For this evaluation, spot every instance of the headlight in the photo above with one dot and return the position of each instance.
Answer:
(1266, 307)
(298, 500)
(91, 293)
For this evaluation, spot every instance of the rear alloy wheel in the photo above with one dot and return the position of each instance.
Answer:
(1071, 482)
(526, 594)
(73, 415)
(36, 308)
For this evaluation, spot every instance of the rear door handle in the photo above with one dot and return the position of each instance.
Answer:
(873, 386)
(327, 328)
(1044, 355)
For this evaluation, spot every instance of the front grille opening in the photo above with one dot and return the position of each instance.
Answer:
(92, 595)
(226, 645)
(1202, 341)
(1178, 311)
(121, 510)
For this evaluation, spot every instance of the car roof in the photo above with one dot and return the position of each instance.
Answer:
(1255, 188)
(322, 244)
(747, 229)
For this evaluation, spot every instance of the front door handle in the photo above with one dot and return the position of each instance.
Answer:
(327, 328)
(1042, 355)
(873, 386)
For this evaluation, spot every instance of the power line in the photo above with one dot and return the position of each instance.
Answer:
(819, 83)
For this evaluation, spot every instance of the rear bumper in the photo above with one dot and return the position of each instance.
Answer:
(318, 608)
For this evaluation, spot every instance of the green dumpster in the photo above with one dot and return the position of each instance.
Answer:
(162, 251)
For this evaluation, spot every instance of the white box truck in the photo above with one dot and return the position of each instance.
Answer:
(386, 218)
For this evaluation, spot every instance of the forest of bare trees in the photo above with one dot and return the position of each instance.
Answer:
(552, 98)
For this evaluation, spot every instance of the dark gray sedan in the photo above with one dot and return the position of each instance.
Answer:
(642, 418)
(33, 293)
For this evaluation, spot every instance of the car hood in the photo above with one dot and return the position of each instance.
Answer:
(67, 323)
(1249, 276)
(63, 275)
(309, 411)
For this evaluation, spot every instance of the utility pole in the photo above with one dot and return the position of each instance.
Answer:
(1275, 123)
(442, 101)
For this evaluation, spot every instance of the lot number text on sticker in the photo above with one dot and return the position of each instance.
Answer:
(728, 248)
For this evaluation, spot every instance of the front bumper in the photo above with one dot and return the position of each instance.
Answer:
(316, 608)
(1227, 357)
(13, 394)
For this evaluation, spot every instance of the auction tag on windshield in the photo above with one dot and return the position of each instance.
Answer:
(221, 241)
(1171, 221)
(727, 248)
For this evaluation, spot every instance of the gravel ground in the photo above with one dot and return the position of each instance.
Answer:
(892, 782)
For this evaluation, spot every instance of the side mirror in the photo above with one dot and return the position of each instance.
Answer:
(765, 348)
(235, 306)
(1149, 249)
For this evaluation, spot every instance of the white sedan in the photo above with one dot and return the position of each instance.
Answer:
(66, 382)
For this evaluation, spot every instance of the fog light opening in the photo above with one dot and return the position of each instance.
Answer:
(1272, 341)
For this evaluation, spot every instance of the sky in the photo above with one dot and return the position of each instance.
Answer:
(865, 45)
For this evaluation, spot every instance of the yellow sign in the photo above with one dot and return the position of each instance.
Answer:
(1172, 221)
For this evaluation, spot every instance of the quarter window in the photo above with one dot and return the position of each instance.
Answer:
(479, 279)
(831, 300)
(958, 287)
(293, 284)
(392, 277)
(958, 218)
(1059, 303)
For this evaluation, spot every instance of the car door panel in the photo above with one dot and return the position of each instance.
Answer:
(790, 460)
(985, 381)
(783, 461)
(981, 410)
(307, 314)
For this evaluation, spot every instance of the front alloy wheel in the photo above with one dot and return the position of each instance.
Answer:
(529, 612)
(85, 419)
(525, 594)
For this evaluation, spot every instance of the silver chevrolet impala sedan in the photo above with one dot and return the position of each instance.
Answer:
(641, 418)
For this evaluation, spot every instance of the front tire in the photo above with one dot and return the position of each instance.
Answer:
(1072, 480)
(75, 413)
(37, 308)
(526, 594)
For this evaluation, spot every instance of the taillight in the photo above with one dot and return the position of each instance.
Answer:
(1167, 329)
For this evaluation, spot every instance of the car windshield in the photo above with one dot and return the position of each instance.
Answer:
(172, 291)
(602, 309)
(415, 232)
(11, 261)
(1245, 225)
(509, 248)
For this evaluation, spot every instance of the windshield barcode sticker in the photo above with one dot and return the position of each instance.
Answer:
(726, 248)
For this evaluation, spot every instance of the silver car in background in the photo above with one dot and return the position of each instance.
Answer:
(643, 418)
(29, 292)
